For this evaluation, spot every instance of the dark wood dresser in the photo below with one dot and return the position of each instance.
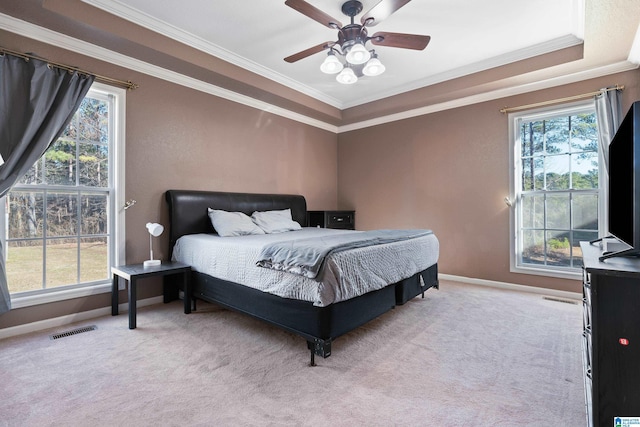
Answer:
(611, 337)
(345, 220)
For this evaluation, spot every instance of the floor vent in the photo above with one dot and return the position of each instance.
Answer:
(566, 301)
(73, 332)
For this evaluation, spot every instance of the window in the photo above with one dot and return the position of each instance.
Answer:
(59, 220)
(556, 184)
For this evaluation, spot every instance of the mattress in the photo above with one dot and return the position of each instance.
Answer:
(348, 274)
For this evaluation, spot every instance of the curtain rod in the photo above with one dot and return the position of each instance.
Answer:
(102, 79)
(556, 101)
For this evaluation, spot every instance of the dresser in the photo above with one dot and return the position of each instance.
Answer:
(611, 338)
(345, 220)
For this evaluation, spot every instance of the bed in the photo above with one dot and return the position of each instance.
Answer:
(319, 317)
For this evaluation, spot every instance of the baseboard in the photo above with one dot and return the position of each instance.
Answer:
(513, 286)
(72, 318)
(105, 311)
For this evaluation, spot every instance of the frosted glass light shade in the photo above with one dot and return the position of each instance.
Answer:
(373, 68)
(331, 65)
(358, 54)
(347, 77)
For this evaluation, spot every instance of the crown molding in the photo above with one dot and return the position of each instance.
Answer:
(119, 9)
(63, 41)
(487, 64)
(124, 11)
(47, 36)
(634, 52)
(592, 73)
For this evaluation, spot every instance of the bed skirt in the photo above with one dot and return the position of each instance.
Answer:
(318, 325)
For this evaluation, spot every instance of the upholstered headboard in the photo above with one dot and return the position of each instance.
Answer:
(188, 208)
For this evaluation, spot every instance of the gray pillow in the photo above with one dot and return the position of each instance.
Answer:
(229, 224)
(275, 221)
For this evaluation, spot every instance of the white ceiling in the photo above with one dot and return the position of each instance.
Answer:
(466, 36)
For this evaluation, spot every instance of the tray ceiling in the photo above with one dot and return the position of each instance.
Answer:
(466, 37)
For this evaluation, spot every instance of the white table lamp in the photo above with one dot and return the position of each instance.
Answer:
(155, 230)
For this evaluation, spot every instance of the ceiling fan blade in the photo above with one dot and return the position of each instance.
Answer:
(405, 41)
(381, 11)
(314, 13)
(308, 52)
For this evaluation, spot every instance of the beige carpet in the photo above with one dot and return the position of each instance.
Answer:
(462, 356)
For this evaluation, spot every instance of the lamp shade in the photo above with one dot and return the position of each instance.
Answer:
(358, 54)
(331, 64)
(155, 229)
(347, 77)
(373, 68)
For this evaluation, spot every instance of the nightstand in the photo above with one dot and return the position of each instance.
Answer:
(345, 220)
(133, 272)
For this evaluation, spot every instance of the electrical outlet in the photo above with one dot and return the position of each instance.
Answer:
(121, 285)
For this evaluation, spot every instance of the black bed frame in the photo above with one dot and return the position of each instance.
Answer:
(318, 325)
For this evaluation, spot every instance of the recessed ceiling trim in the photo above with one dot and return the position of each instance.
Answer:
(593, 73)
(117, 8)
(634, 52)
(50, 37)
(530, 52)
(124, 11)
(578, 18)
(44, 35)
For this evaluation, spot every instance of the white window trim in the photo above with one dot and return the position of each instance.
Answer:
(117, 256)
(514, 184)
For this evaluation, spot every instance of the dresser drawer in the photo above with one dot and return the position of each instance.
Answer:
(586, 316)
(332, 219)
(586, 295)
(587, 348)
(586, 301)
(588, 377)
(340, 220)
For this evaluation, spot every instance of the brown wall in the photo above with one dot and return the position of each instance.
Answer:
(181, 138)
(197, 141)
(449, 171)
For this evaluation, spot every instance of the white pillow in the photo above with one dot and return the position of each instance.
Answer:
(232, 223)
(275, 221)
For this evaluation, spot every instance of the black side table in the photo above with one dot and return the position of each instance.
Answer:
(133, 272)
(345, 220)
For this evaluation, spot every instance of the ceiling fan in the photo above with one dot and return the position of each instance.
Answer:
(352, 39)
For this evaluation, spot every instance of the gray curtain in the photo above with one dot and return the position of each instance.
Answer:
(37, 101)
(609, 115)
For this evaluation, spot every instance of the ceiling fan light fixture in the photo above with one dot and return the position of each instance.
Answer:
(347, 77)
(373, 68)
(348, 57)
(331, 64)
(358, 54)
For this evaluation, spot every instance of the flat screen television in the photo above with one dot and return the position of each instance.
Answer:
(624, 184)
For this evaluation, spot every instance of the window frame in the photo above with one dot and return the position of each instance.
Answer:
(515, 185)
(115, 201)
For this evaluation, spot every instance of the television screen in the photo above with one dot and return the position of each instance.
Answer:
(621, 180)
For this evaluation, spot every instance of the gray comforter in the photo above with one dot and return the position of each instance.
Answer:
(305, 257)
